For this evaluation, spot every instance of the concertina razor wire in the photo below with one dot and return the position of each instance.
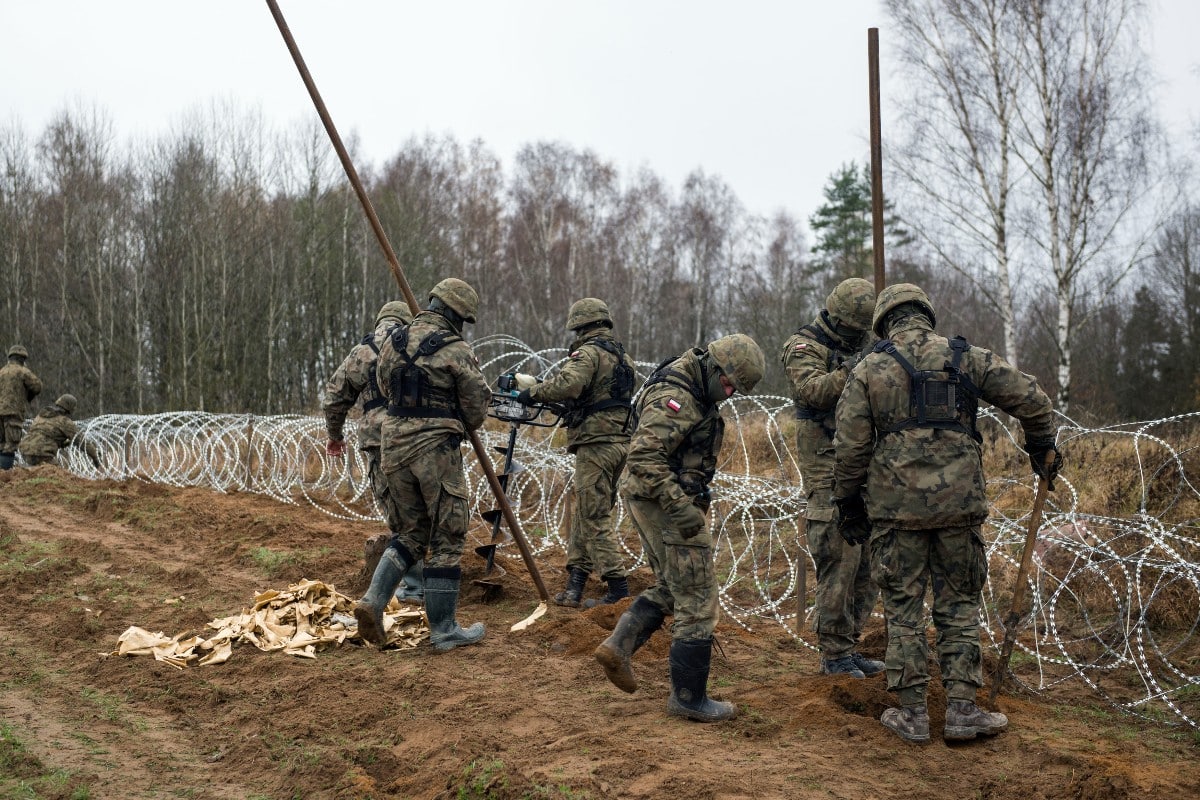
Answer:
(1114, 599)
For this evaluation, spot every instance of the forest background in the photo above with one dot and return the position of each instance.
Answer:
(227, 266)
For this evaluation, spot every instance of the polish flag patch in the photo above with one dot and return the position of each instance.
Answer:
(574, 354)
(801, 346)
(673, 404)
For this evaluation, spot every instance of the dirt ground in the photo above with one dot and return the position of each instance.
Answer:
(523, 715)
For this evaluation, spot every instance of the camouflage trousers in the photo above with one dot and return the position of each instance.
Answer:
(14, 429)
(845, 592)
(905, 563)
(592, 543)
(428, 498)
(379, 488)
(685, 579)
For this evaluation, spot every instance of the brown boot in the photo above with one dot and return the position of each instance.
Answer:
(910, 723)
(633, 630)
(965, 720)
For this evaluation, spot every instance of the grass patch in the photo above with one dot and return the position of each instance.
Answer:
(22, 774)
(482, 780)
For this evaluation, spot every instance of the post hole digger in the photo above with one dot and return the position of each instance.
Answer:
(506, 407)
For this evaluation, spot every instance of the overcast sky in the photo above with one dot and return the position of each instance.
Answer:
(770, 95)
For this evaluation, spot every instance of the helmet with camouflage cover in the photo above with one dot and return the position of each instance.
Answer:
(741, 359)
(458, 295)
(18, 351)
(66, 402)
(897, 295)
(586, 311)
(852, 302)
(394, 309)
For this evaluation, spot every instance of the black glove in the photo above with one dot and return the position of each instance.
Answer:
(686, 517)
(523, 398)
(852, 521)
(1038, 449)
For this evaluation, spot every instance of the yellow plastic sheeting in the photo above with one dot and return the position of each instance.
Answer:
(304, 618)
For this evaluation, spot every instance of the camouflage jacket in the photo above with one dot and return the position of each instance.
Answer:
(50, 430)
(452, 371)
(920, 477)
(674, 448)
(18, 387)
(587, 379)
(354, 379)
(817, 368)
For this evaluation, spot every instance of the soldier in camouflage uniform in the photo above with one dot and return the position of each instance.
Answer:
(436, 393)
(908, 476)
(53, 429)
(672, 459)
(595, 386)
(18, 387)
(353, 380)
(818, 359)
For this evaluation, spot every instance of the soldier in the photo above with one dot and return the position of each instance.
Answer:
(18, 387)
(435, 391)
(818, 359)
(672, 459)
(52, 430)
(355, 379)
(908, 476)
(595, 386)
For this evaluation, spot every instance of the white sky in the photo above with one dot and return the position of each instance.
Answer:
(770, 95)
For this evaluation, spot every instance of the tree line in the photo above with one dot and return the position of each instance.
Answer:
(227, 266)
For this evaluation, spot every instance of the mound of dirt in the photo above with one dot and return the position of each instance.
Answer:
(522, 715)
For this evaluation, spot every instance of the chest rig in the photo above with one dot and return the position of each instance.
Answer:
(945, 399)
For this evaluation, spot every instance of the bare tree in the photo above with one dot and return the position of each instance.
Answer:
(957, 158)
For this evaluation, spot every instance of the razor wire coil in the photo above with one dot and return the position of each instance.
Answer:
(1114, 601)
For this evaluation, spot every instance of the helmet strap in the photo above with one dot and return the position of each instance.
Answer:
(438, 307)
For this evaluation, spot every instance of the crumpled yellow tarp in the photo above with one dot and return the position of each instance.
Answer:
(300, 620)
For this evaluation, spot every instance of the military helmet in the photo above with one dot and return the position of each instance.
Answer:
(394, 309)
(18, 350)
(897, 295)
(66, 402)
(458, 295)
(586, 311)
(852, 302)
(741, 359)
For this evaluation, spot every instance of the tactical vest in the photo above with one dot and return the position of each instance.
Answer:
(372, 397)
(413, 395)
(831, 362)
(945, 399)
(694, 462)
(594, 398)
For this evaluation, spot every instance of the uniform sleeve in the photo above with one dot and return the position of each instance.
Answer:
(341, 393)
(1016, 393)
(663, 424)
(854, 439)
(571, 380)
(474, 393)
(33, 385)
(805, 362)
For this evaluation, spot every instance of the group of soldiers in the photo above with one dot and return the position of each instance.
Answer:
(886, 442)
(51, 430)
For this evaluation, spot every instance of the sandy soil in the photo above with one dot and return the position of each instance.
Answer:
(523, 715)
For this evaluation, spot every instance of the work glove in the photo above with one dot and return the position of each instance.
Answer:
(335, 448)
(524, 381)
(523, 398)
(852, 521)
(686, 516)
(1038, 448)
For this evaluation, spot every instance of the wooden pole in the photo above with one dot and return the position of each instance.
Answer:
(876, 159)
(398, 273)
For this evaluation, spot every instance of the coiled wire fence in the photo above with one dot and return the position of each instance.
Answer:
(1114, 587)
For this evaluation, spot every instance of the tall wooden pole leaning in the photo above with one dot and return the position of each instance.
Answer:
(876, 159)
(398, 273)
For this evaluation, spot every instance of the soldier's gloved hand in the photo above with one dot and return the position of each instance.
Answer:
(852, 521)
(336, 448)
(524, 381)
(686, 516)
(1039, 448)
(523, 398)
